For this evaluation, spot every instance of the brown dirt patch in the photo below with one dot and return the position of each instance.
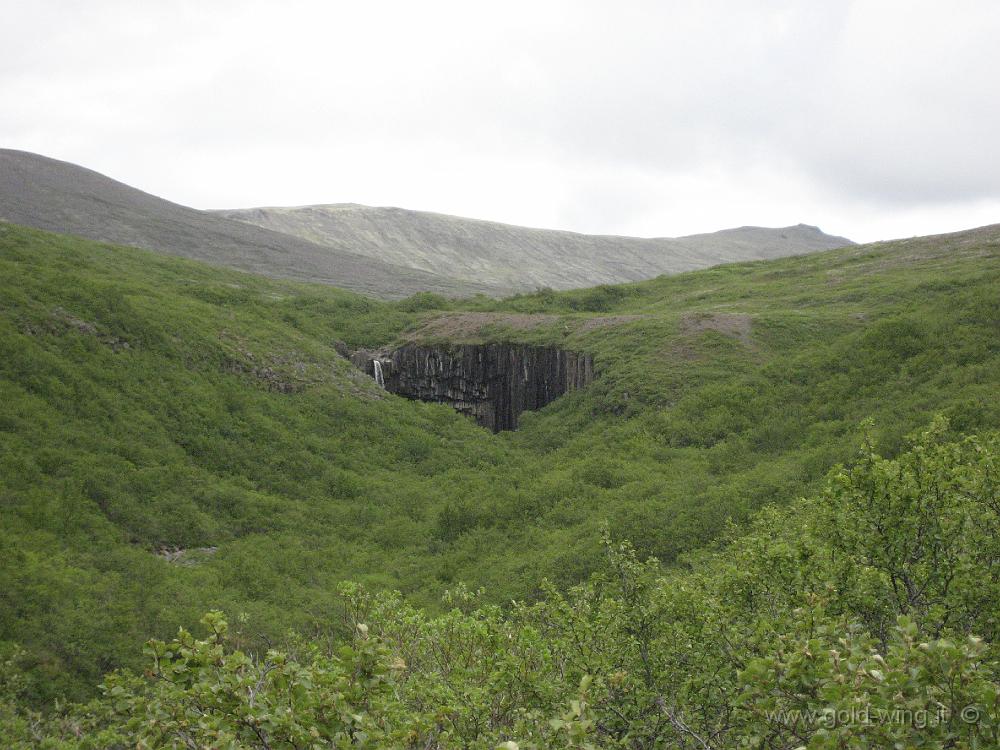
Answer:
(475, 324)
(591, 324)
(61, 322)
(471, 324)
(735, 325)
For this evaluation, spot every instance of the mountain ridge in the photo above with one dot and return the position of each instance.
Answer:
(525, 257)
(384, 252)
(472, 219)
(59, 196)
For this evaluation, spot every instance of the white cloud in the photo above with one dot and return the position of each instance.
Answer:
(870, 119)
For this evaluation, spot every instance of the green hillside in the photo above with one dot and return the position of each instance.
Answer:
(178, 438)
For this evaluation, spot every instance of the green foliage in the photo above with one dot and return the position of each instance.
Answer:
(423, 301)
(775, 640)
(923, 535)
(599, 299)
(176, 438)
(205, 693)
(833, 687)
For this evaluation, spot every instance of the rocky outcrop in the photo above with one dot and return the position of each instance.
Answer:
(492, 383)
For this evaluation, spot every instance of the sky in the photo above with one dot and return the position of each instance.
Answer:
(872, 120)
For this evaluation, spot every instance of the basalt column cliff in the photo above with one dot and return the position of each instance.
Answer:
(492, 382)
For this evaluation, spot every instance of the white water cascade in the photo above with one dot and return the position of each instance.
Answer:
(379, 378)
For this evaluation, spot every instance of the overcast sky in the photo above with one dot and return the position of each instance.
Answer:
(870, 119)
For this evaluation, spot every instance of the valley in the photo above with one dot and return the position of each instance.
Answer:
(478, 376)
(153, 403)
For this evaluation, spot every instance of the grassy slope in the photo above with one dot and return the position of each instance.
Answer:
(741, 385)
(230, 421)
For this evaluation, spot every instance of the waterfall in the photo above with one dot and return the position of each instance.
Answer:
(379, 378)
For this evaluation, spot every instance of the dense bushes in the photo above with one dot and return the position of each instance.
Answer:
(863, 617)
(230, 458)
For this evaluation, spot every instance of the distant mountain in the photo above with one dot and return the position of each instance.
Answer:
(61, 197)
(519, 257)
(386, 252)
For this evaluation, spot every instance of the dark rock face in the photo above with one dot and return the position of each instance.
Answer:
(493, 383)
